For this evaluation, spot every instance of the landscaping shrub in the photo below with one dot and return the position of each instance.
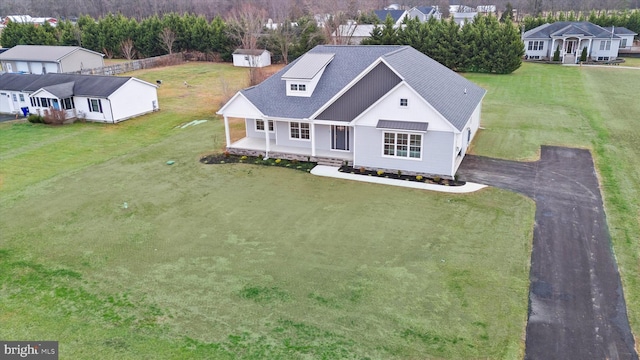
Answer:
(35, 119)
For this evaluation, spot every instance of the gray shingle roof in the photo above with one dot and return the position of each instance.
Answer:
(41, 52)
(441, 87)
(62, 91)
(83, 85)
(16, 81)
(619, 30)
(395, 14)
(425, 9)
(561, 28)
(453, 96)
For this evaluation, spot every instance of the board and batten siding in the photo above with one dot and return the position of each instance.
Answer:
(437, 152)
(361, 95)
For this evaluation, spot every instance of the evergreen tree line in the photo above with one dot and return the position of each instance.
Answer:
(116, 36)
(627, 19)
(484, 45)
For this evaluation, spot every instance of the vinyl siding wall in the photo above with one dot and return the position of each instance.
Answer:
(132, 99)
(79, 60)
(437, 152)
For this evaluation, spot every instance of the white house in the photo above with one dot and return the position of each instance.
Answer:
(570, 38)
(626, 36)
(379, 107)
(251, 58)
(43, 59)
(108, 99)
(424, 13)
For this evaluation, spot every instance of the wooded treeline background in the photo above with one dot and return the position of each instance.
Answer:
(279, 10)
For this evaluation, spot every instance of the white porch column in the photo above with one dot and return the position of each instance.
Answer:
(312, 133)
(589, 49)
(266, 138)
(227, 135)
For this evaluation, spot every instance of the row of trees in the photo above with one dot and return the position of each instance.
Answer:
(485, 45)
(627, 19)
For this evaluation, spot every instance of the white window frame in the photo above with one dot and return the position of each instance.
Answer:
(21, 97)
(299, 127)
(605, 44)
(272, 127)
(408, 145)
(98, 104)
(536, 45)
(623, 43)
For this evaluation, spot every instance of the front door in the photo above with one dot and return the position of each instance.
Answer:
(570, 47)
(340, 137)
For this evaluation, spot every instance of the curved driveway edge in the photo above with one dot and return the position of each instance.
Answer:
(576, 304)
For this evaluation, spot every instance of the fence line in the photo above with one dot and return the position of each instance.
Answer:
(158, 61)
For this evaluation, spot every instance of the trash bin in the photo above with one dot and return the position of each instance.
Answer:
(25, 111)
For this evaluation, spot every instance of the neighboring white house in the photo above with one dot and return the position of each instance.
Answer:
(251, 58)
(626, 36)
(379, 107)
(109, 99)
(43, 59)
(424, 13)
(570, 38)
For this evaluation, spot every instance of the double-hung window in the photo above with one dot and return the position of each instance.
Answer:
(605, 45)
(68, 104)
(402, 145)
(95, 105)
(260, 125)
(299, 130)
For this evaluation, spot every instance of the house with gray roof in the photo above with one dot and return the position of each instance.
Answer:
(424, 13)
(43, 59)
(108, 99)
(571, 37)
(381, 107)
(397, 15)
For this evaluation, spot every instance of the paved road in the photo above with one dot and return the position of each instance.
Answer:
(576, 305)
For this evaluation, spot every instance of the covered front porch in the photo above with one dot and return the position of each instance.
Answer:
(258, 146)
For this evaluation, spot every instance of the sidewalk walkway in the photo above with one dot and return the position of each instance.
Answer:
(330, 171)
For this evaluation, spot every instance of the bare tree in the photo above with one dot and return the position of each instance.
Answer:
(167, 39)
(128, 51)
(246, 22)
(339, 28)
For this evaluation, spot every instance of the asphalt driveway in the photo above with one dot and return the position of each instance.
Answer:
(576, 304)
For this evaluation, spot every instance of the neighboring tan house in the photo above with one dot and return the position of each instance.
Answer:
(43, 59)
(352, 33)
(424, 13)
(109, 99)
(384, 107)
(570, 38)
(251, 58)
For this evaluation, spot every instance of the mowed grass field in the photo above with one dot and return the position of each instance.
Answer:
(242, 261)
(587, 107)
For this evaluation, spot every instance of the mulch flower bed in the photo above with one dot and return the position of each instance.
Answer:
(400, 176)
(226, 158)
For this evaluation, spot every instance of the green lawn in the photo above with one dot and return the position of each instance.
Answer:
(243, 261)
(588, 107)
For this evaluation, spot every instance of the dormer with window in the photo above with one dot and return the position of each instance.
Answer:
(301, 79)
